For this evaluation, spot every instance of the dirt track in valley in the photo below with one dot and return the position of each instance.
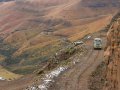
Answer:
(76, 77)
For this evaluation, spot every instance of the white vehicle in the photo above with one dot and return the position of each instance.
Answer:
(78, 43)
(97, 43)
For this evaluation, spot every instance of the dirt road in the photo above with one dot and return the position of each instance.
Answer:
(76, 77)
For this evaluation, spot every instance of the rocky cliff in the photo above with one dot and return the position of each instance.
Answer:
(112, 55)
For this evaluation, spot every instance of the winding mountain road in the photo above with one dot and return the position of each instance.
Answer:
(76, 77)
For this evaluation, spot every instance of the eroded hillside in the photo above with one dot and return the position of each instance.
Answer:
(112, 55)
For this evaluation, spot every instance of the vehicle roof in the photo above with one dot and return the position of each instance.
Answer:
(97, 39)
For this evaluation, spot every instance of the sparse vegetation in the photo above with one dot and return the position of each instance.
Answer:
(35, 33)
(8, 75)
(21, 64)
(60, 58)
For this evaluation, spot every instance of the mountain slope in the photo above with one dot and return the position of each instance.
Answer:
(33, 30)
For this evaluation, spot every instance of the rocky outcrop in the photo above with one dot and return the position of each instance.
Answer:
(112, 55)
(61, 56)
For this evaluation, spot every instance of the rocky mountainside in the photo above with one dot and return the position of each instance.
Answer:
(33, 30)
(112, 55)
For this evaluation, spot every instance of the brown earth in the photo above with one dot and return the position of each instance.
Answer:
(77, 77)
(19, 84)
(33, 30)
(112, 56)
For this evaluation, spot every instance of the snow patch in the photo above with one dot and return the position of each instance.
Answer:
(1, 78)
(49, 78)
(89, 37)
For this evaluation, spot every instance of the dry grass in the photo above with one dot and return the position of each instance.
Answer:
(24, 27)
(2, 58)
(90, 28)
(8, 75)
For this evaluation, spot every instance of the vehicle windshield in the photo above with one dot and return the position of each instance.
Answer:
(98, 41)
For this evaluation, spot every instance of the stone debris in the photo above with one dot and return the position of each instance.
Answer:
(62, 55)
(48, 79)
